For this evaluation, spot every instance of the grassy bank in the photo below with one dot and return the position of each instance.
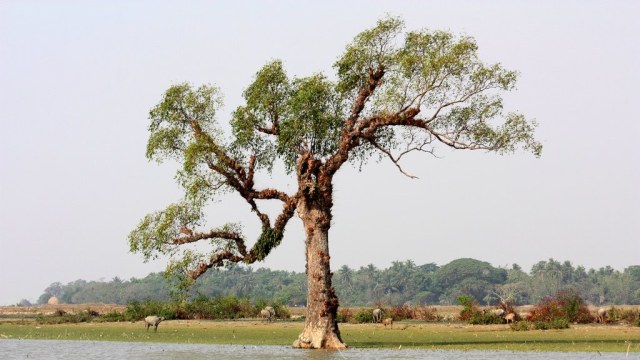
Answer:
(406, 335)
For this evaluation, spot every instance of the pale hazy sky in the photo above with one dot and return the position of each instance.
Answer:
(77, 79)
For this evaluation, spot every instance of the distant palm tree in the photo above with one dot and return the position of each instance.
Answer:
(346, 276)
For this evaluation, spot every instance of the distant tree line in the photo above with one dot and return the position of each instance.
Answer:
(403, 282)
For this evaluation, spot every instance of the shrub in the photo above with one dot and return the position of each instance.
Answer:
(521, 326)
(363, 316)
(403, 312)
(282, 312)
(200, 308)
(113, 316)
(426, 313)
(92, 312)
(62, 317)
(137, 311)
(567, 305)
(558, 323)
(487, 318)
(344, 315)
(469, 307)
(630, 316)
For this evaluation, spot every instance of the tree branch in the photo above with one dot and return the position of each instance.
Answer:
(217, 260)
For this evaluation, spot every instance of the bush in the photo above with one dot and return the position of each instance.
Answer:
(521, 326)
(282, 312)
(472, 314)
(567, 305)
(559, 323)
(114, 316)
(630, 316)
(345, 315)
(62, 317)
(363, 316)
(403, 312)
(137, 311)
(487, 318)
(469, 307)
(92, 312)
(202, 307)
(426, 313)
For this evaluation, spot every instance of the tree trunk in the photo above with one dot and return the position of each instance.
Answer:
(321, 327)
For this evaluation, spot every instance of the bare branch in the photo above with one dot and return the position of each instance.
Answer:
(411, 147)
(395, 161)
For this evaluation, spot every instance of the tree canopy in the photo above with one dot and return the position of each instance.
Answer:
(391, 96)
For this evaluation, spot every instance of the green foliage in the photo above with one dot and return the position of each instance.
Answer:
(266, 98)
(521, 326)
(363, 316)
(113, 316)
(469, 307)
(62, 317)
(155, 232)
(558, 323)
(282, 312)
(172, 119)
(472, 314)
(486, 318)
(137, 311)
(269, 239)
(231, 307)
(468, 277)
(371, 49)
(391, 95)
(313, 121)
(396, 285)
(221, 307)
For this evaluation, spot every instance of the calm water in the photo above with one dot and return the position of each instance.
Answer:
(71, 350)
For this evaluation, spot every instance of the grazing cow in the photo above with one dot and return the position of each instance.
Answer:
(377, 315)
(153, 321)
(388, 321)
(510, 317)
(602, 315)
(269, 313)
(265, 315)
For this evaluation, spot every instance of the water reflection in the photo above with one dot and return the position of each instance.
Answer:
(72, 350)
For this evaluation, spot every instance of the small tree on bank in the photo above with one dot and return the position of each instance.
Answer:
(390, 98)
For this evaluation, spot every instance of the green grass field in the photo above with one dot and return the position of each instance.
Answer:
(406, 335)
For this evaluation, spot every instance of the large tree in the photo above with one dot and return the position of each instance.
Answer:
(390, 97)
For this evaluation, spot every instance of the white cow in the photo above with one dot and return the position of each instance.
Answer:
(269, 313)
(153, 321)
(377, 315)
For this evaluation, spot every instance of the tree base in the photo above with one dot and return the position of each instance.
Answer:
(319, 341)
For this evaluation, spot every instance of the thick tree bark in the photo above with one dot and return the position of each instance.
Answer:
(321, 326)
